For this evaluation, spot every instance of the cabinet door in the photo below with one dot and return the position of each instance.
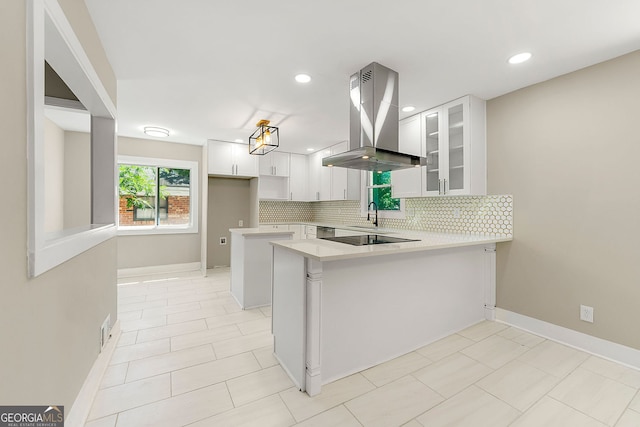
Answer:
(279, 163)
(456, 178)
(434, 152)
(298, 178)
(319, 177)
(339, 176)
(220, 158)
(246, 164)
(408, 182)
(265, 167)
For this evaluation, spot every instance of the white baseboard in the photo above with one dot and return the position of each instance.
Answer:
(597, 346)
(158, 269)
(79, 412)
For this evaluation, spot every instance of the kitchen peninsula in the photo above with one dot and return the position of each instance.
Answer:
(339, 309)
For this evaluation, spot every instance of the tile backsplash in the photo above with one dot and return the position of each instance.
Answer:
(488, 215)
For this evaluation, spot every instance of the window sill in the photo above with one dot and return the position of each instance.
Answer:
(153, 230)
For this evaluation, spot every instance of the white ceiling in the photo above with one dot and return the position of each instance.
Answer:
(207, 69)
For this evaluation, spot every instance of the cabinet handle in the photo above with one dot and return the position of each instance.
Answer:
(317, 195)
(291, 196)
(439, 187)
(345, 193)
(444, 187)
(233, 169)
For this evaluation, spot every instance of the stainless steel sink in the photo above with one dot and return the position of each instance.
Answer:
(370, 239)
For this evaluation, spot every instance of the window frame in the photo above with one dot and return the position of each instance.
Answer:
(364, 199)
(194, 177)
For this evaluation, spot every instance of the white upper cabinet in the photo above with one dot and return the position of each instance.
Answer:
(231, 159)
(345, 183)
(408, 182)
(298, 178)
(274, 164)
(319, 177)
(455, 142)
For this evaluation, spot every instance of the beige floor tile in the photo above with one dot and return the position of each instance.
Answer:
(234, 318)
(333, 394)
(131, 395)
(206, 336)
(518, 384)
(445, 347)
(130, 315)
(140, 351)
(265, 356)
(551, 413)
(614, 371)
(192, 297)
(109, 421)
(495, 351)
(452, 374)
(114, 375)
(242, 344)
(268, 412)
(392, 370)
(412, 423)
(127, 338)
(195, 377)
(257, 385)
(471, 407)
(336, 417)
(145, 323)
(595, 395)
(221, 299)
(635, 403)
(155, 365)
(171, 330)
(201, 313)
(123, 308)
(482, 330)
(179, 410)
(521, 337)
(393, 404)
(127, 293)
(254, 326)
(553, 358)
(629, 419)
(233, 307)
(266, 310)
(170, 309)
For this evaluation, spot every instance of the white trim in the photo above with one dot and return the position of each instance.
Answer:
(84, 400)
(158, 269)
(597, 346)
(364, 200)
(194, 196)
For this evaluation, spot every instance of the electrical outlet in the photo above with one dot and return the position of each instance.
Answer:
(223, 240)
(586, 313)
(240, 223)
(456, 213)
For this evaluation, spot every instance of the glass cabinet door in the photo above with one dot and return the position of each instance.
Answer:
(432, 136)
(455, 120)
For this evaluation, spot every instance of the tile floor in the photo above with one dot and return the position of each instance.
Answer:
(188, 356)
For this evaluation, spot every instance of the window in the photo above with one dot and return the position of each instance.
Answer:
(377, 188)
(157, 196)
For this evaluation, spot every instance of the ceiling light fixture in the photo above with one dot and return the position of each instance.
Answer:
(311, 149)
(303, 78)
(265, 139)
(520, 58)
(156, 131)
(408, 108)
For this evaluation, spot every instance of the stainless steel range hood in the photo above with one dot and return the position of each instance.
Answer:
(373, 138)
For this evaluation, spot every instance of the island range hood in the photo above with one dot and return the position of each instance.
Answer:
(373, 123)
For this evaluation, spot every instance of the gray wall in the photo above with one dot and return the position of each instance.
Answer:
(49, 326)
(229, 202)
(160, 249)
(568, 150)
(77, 179)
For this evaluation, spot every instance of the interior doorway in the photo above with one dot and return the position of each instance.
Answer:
(229, 206)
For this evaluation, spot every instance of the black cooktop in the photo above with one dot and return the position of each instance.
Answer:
(369, 239)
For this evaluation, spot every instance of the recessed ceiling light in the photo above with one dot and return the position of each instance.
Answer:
(238, 140)
(311, 149)
(156, 131)
(408, 108)
(303, 78)
(520, 58)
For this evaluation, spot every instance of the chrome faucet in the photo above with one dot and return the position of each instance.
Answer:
(375, 222)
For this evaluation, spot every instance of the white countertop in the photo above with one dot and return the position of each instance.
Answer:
(325, 250)
(258, 232)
